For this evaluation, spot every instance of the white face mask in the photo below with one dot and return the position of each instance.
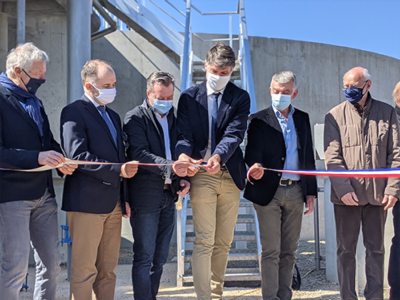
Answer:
(281, 101)
(217, 83)
(106, 96)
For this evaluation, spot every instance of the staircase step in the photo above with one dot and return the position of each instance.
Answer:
(241, 219)
(232, 256)
(233, 277)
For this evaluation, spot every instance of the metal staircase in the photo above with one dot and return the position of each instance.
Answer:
(245, 251)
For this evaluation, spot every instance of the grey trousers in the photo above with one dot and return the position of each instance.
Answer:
(280, 226)
(21, 222)
(348, 220)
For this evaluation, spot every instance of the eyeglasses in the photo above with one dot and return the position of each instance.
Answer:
(345, 88)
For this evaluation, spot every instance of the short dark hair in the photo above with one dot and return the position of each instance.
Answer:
(221, 55)
(89, 70)
(159, 77)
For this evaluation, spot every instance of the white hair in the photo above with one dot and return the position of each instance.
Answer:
(366, 74)
(285, 77)
(23, 56)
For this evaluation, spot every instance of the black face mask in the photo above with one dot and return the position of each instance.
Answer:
(33, 84)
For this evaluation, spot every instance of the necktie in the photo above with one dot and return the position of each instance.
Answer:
(111, 127)
(214, 122)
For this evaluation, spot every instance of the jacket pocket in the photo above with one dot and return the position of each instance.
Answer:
(350, 135)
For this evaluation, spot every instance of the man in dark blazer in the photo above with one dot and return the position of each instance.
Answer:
(28, 208)
(93, 195)
(212, 121)
(152, 135)
(279, 137)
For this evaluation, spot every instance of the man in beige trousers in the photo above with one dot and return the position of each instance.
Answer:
(212, 120)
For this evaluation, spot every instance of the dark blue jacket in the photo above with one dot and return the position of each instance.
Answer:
(20, 144)
(266, 145)
(85, 136)
(230, 128)
(146, 144)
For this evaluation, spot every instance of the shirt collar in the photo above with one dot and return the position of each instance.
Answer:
(158, 116)
(92, 100)
(278, 113)
(210, 91)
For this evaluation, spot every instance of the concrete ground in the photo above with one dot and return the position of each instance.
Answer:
(314, 284)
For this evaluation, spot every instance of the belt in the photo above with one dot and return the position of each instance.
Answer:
(167, 186)
(287, 182)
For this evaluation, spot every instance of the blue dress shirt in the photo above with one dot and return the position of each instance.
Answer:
(290, 137)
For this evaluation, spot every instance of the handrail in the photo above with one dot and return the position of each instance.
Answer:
(168, 13)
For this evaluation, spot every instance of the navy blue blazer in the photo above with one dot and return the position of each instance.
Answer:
(85, 136)
(231, 126)
(266, 145)
(20, 144)
(146, 144)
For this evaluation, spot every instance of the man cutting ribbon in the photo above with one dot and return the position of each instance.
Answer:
(28, 208)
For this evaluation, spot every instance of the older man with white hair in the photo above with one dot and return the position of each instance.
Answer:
(28, 208)
(361, 133)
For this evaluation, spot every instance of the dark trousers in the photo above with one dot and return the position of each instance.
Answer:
(348, 220)
(280, 226)
(152, 232)
(394, 261)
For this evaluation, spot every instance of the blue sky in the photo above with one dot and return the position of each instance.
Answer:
(372, 25)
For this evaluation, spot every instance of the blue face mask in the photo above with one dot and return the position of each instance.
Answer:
(281, 101)
(354, 94)
(162, 106)
(33, 84)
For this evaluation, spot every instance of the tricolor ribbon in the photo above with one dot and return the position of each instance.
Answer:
(378, 173)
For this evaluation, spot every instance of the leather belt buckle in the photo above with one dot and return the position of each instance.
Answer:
(286, 182)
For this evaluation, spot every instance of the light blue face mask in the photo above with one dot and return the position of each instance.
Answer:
(162, 106)
(281, 101)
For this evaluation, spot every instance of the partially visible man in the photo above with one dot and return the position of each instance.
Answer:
(28, 208)
(93, 195)
(212, 121)
(361, 133)
(152, 135)
(394, 260)
(279, 137)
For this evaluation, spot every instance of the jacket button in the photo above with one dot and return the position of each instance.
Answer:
(283, 158)
(279, 174)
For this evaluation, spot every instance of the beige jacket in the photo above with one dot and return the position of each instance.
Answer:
(369, 141)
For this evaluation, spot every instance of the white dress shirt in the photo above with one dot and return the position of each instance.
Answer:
(210, 102)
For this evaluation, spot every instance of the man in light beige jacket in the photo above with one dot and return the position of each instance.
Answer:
(361, 133)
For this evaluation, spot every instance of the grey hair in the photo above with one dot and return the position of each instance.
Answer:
(221, 55)
(23, 56)
(89, 70)
(285, 77)
(159, 77)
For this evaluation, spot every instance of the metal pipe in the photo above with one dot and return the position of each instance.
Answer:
(316, 237)
(230, 30)
(21, 21)
(113, 25)
(78, 43)
(186, 48)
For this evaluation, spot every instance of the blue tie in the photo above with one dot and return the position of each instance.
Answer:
(111, 127)
(214, 122)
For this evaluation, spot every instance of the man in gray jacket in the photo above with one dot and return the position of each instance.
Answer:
(361, 133)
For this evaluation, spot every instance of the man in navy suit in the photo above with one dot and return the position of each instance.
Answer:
(151, 131)
(212, 121)
(93, 195)
(28, 208)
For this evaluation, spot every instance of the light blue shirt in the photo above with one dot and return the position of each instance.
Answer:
(290, 137)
